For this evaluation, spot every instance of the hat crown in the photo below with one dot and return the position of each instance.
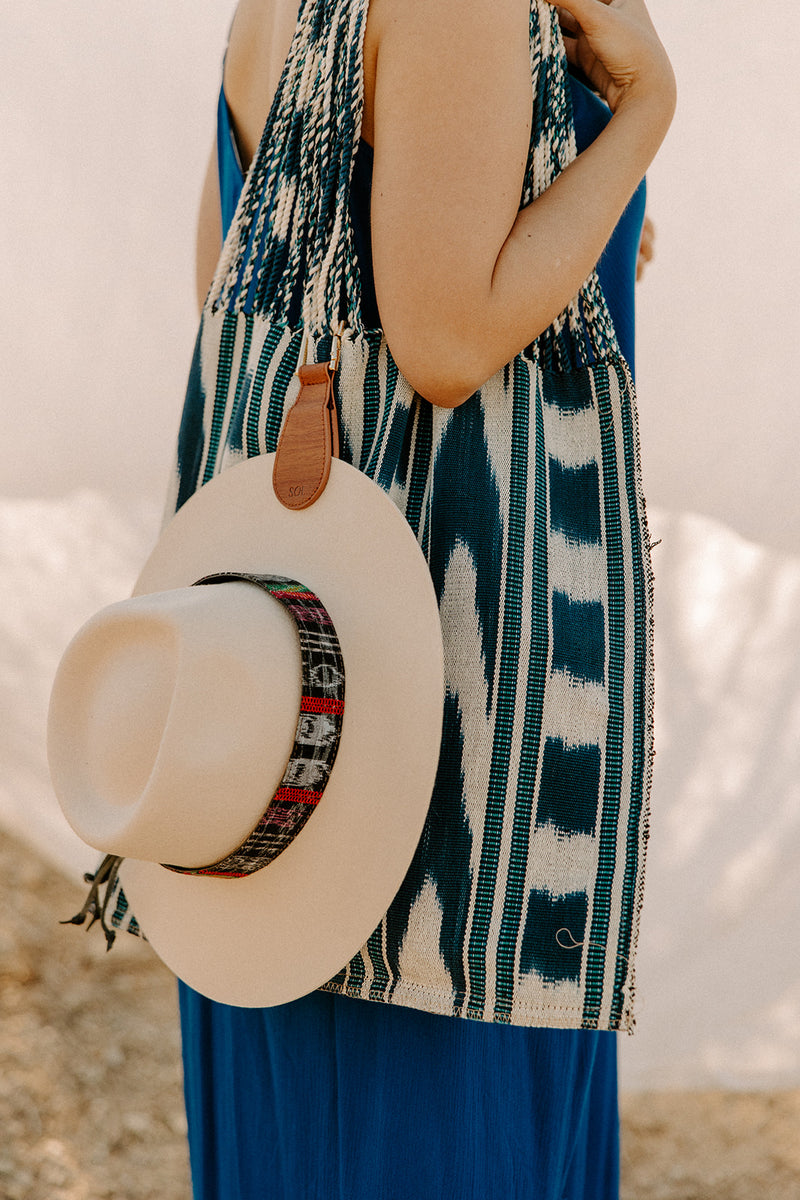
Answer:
(140, 686)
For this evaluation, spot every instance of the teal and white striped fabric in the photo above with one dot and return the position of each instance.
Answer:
(522, 902)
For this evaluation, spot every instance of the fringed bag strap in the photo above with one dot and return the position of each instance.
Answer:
(292, 227)
(585, 327)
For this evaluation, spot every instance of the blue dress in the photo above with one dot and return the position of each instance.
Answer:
(333, 1098)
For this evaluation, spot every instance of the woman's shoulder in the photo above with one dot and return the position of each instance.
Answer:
(260, 37)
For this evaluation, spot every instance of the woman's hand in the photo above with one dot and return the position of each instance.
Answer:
(616, 46)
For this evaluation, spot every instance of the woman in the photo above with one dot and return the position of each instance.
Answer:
(331, 1096)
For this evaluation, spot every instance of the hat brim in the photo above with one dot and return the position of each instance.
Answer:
(290, 927)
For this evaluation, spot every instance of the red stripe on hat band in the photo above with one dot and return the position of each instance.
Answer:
(321, 704)
(296, 594)
(297, 796)
(220, 874)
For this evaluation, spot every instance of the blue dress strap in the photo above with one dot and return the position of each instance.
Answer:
(229, 164)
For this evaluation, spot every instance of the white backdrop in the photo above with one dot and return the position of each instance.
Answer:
(106, 136)
(718, 313)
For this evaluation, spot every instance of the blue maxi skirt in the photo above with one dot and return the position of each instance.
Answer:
(329, 1098)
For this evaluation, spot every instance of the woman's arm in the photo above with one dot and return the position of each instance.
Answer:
(464, 280)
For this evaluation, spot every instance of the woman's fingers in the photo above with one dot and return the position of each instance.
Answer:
(619, 50)
(580, 12)
(567, 22)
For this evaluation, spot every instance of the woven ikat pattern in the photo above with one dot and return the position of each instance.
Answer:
(316, 739)
(522, 902)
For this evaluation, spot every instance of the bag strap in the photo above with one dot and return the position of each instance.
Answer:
(292, 233)
(309, 439)
(291, 229)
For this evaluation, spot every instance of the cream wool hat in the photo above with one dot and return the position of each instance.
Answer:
(187, 718)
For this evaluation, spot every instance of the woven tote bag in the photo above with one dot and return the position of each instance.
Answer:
(522, 903)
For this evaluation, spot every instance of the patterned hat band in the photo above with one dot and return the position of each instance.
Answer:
(316, 739)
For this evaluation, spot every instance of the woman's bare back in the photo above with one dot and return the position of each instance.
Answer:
(260, 38)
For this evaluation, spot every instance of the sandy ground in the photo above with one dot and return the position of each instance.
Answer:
(90, 1079)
